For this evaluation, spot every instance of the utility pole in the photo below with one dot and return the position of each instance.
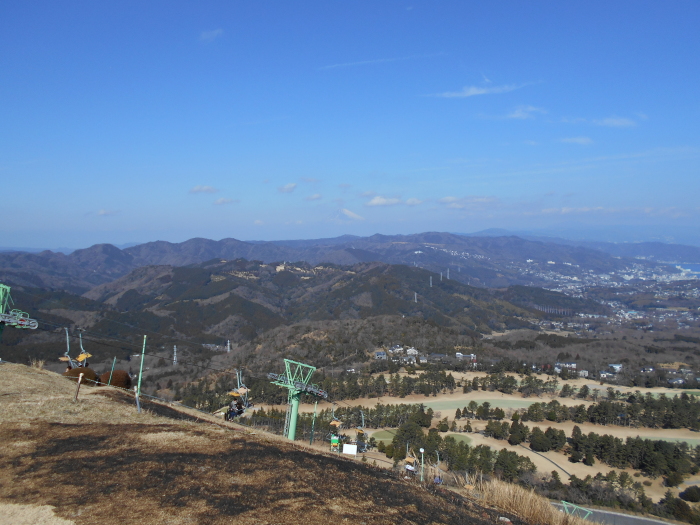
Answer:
(440, 276)
(174, 355)
(415, 297)
(143, 356)
(228, 346)
(448, 274)
(431, 281)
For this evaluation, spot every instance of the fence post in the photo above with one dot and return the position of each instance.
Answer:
(143, 356)
(136, 395)
(80, 378)
(111, 371)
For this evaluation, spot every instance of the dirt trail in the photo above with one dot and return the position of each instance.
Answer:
(11, 514)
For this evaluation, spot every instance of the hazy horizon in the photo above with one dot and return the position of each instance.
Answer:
(687, 236)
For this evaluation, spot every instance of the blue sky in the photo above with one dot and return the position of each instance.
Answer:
(138, 121)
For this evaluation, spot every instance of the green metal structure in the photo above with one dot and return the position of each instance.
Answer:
(15, 318)
(575, 510)
(296, 380)
(5, 298)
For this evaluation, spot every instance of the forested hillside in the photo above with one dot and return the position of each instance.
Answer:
(241, 300)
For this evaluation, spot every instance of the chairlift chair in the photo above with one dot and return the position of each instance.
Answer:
(240, 402)
(81, 360)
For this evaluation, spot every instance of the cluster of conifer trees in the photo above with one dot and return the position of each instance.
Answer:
(530, 385)
(353, 386)
(653, 457)
(410, 438)
(674, 460)
(636, 410)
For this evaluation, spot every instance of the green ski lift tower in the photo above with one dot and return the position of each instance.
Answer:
(296, 379)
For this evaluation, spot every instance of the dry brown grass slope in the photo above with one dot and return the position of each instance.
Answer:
(98, 461)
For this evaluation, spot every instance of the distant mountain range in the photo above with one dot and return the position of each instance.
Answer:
(656, 251)
(652, 250)
(615, 234)
(485, 260)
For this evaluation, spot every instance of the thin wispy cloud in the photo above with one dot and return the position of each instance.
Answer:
(310, 180)
(383, 201)
(616, 122)
(258, 222)
(378, 61)
(611, 122)
(203, 189)
(107, 213)
(222, 201)
(210, 36)
(597, 162)
(314, 197)
(287, 188)
(473, 91)
(570, 210)
(351, 215)
(473, 201)
(526, 112)
(582, 141)
(413, 202)
(671, 211)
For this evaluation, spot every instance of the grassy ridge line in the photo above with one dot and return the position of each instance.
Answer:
(180, 471)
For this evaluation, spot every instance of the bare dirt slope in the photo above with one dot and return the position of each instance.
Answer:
(98, 461)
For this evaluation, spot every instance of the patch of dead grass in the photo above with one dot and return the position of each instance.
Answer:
(522, 502)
